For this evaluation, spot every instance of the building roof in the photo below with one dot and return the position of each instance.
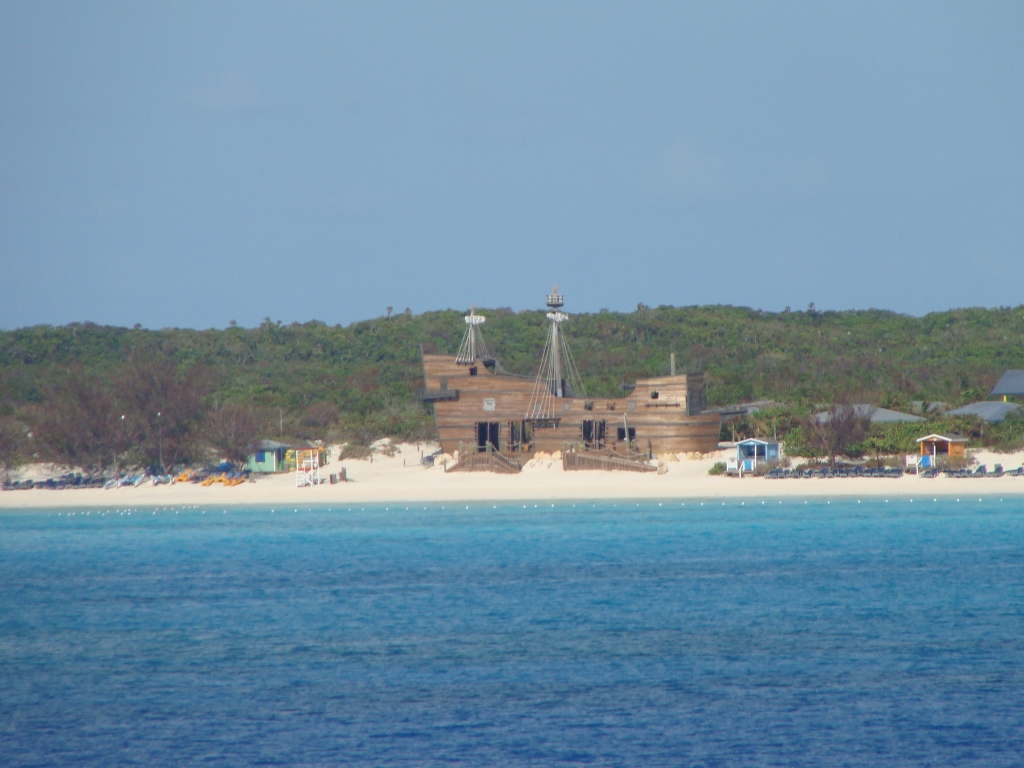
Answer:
(886, 416)
(750, 440)
(877, 415)
(270, 445)
(990, 410)
(1012, 383)
(943, 438)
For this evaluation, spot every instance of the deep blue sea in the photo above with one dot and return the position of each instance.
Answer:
(827, 634)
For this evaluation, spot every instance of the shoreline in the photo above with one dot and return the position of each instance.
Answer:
(400, 478)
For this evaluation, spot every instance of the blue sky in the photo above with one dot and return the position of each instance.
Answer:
(177, 164)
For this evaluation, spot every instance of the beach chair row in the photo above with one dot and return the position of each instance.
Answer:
(982, 471)
(54, 483)
(780, 473)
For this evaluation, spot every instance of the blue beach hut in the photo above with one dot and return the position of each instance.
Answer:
(751, 452)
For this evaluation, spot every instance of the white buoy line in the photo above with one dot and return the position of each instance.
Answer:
(129, 511)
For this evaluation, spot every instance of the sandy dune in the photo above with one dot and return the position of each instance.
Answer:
(401, 478)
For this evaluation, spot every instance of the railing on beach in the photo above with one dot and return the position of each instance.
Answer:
(485, 461)
(577, 457)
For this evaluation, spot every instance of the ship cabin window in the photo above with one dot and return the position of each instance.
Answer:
(566, 407)
(473, 371)
(621, 431)
(654, 395)
(588, 406)
(631, 405)
(611, 406)
(444, 384)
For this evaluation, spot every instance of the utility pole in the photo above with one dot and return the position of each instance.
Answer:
(160, 440)
(124, 447)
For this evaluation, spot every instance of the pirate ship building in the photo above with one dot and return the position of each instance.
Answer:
(480, 406)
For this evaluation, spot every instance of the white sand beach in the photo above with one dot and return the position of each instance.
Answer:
(402, 478)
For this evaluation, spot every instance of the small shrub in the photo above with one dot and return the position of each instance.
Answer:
(718, 468)
(321, 414)
(1008, 446)
(354, 451)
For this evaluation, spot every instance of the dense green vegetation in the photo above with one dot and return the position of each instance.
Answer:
(359, 381)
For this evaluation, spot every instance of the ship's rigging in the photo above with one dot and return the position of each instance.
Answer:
(557, 377)
(472, 347)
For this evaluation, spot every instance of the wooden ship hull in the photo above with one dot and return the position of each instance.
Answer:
(480, 407)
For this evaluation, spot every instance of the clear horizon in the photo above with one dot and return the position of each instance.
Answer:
(185, 165)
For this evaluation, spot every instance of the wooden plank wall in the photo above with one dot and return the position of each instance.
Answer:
(660, 410)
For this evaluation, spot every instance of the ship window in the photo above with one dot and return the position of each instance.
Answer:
(631, 405)
(588, 406)
(444, 383)
(472, 371)
(566, 407)
(611, 406)
(654, 395)
(621, 431)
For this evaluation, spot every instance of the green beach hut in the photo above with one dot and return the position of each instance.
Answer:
(268, 457)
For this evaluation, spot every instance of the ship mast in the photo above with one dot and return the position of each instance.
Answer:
(472, 347)
(555, 302)
(557, 377)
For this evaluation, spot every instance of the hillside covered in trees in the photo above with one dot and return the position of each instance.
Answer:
(358, 382)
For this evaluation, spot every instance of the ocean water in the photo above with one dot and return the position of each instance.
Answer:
(788, 634)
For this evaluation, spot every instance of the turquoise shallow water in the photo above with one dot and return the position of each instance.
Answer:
(847, 633)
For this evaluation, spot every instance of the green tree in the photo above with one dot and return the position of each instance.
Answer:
(12, 444)
(165, 406)
(75, 424)
(836, 432)
(233, 430)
